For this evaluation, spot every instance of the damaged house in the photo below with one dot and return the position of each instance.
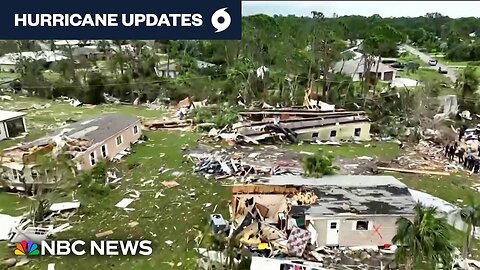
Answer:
(12, 124)
(303, 125)
(342, 210)
(87, 142)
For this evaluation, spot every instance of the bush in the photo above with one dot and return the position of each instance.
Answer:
(223, 117)
(319, 165)
(93, 181)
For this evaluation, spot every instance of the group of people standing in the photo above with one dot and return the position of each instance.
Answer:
(465, 157)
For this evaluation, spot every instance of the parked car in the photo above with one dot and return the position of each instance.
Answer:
(432, 62)
(442, 71)
(397, 65)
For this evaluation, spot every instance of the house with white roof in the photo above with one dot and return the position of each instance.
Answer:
(12, 124)
(355, 69)
(10, 60)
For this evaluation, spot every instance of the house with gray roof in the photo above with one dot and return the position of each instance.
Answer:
(349, 210)
(355, 69)
(86, 142)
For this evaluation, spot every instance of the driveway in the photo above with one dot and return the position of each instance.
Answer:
(426, 57)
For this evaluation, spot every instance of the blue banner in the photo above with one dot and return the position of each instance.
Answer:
(119, 20)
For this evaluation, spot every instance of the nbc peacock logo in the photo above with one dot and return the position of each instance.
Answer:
(27, 248)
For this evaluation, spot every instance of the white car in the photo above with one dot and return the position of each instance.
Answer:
(432, 62)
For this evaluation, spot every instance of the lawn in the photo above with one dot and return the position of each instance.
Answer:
(407, 57)
(382, 151)
(183, 211)
(176, 217)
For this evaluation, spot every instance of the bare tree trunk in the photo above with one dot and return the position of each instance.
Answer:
(366, 73)
(376, 75)
(168, 64)
(409, 263)
(466, 246)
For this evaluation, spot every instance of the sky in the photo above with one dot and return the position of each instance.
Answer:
(454, 9)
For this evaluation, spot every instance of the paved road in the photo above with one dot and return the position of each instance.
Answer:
(426, 57)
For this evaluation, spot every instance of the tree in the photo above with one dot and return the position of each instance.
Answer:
(55, 171)
(382, 41)
(319, 164)
(468, 82)
(426, 238)
(326, 50)
(471, 216)
(93, 94)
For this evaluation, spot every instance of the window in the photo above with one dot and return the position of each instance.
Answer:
(104, 150)
(333, 133)
(315, 135)
(93, 160)
(135, 129)
(16, 174)
(333, 225)
(358, 131)
(361, 225)
(119, 140)
(35, 175)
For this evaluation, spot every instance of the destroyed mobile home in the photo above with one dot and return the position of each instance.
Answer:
(302, 217)
(294, 125)
(86, 142)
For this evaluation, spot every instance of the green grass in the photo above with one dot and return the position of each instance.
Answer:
(424, 74)
(5, 76)
(407, 57)
(11, 204)
(176, 217)
(41, 121)
(381, 151)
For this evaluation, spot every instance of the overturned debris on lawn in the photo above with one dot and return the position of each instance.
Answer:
(168, 124)
(245, 162)
(424, 158)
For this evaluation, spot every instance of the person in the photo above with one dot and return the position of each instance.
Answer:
(466, 161)
(472, 164)
(447, 148)
(461, 155)
(462, 132)
(477, 166)
(451, 153)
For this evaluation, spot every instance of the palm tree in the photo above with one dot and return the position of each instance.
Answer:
(471, 216)
(469, 82)
(426, 238)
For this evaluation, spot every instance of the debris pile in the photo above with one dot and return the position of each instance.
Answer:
(166, 123)
(244, 163)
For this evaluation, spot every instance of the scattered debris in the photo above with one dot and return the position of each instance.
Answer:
(168, 124)
(244, 162)
(57, 207)
(103, 234)
(124, 203)
(170, 184)
(413, 171)
(133, 224)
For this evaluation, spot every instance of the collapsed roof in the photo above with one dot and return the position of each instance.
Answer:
(350, 195)
(78, 137)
